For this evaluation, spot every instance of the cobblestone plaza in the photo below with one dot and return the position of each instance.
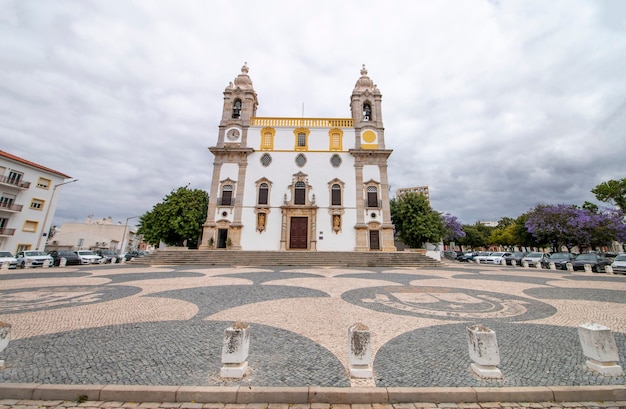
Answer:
(164, 326)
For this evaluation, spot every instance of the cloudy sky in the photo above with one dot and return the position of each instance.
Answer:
(495, 105)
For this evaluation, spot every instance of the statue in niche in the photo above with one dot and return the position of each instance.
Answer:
(336, 222)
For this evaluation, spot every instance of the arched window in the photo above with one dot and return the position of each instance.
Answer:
(367, 111)
(263, 193)
(227, 195)
(237, 109)
(299, 197)
(267, 138)
(335, 199)
(372, 196)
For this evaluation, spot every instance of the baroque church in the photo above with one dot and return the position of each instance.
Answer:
(299, 184)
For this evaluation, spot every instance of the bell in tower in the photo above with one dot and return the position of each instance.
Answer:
(365, 104)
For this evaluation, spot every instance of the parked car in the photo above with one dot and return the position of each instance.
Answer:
(131, 254)
(33, 258)
(481, 255)
(71, 258)
(467, 256)
(534, 257)
(496, 257)
(88, 257)
(619, 264)
(560, 260)
(8, 257)
(108, 256)
(596, 261)
(517, 256)
(450, 255)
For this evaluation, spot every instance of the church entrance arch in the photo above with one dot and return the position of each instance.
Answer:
(222, 236)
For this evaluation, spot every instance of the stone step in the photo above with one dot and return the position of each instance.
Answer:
(288, 258)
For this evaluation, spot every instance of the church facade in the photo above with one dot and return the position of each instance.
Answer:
(299, 184)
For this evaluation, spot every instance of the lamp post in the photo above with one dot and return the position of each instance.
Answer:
(45, 219)
(125, 230)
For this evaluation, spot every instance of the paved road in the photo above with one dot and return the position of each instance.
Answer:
(141, 325)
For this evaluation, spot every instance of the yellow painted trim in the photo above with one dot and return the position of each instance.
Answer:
(306, 132)
(369, 146)
(339, 145)
(265, 145)
(303, 122)
(369, 136)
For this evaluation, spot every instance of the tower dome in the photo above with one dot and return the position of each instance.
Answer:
(243, 80)
(364, 83)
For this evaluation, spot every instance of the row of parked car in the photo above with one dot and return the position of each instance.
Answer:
(597, 261)
(38, 258)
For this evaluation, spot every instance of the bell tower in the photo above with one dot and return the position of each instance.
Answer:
(223, 223)
(365, 104)
(374, 230)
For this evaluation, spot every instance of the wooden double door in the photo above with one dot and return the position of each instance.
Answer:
(299, 233)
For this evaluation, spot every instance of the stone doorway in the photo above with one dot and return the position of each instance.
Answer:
(222, 236)
(374, 240)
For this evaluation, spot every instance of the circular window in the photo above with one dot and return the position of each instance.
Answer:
(224, 214)
(335, 160)
(301, 160)
(266, 159)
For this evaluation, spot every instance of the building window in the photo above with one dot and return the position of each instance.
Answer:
(367, 112)
(237, 109)
(3, 222)
(336, 137)
(263, 193)
(300, 160)
(267, 139)
(37, 204)
(30, 226)
(300, 193)
(335, 195)
(24, 247)
(372, 196)
(227, 195)
(14, 178)
(266, 159)
(335, 160)
(302, 139)
(6, 200)
(44, 183)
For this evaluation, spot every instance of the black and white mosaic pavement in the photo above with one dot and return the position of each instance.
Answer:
(165, 326)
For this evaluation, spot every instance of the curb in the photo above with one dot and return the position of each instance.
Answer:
(300, 395)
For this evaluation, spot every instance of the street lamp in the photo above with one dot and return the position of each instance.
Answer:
(45, 220)
(125, 230)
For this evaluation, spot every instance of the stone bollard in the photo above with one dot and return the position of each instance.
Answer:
(588, 268)
(552, 265)
(123, 260)
(525, 264)
(483, 351)
(235, 350)
(569, 267)
(599, 346)
(360, 355)
(538, 264)
(5, 337)
(608, 269)
(513, 263)
(476, 260)
(62, 262)
(5, 265)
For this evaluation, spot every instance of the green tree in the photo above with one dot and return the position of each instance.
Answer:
(177, 219)
(612, 191)
(476, 235)
(415, 221)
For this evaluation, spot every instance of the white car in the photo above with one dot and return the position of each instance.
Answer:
(88, 257)
(534, 258)
(7, 257)
(33, 258)
(619, 264)
(480, 257)
(497, 257)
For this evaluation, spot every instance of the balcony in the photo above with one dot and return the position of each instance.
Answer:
(5, 180)
(6, 232)
(377, 205)
(226, 201)
(303, 122)
(10, 207)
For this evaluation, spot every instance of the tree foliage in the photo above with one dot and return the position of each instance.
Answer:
(415, 221)
(177, 219)
(453, 229)
(612, 191)
(476, 235)
(569, 226)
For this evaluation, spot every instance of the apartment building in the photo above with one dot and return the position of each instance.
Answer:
(28, 197)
